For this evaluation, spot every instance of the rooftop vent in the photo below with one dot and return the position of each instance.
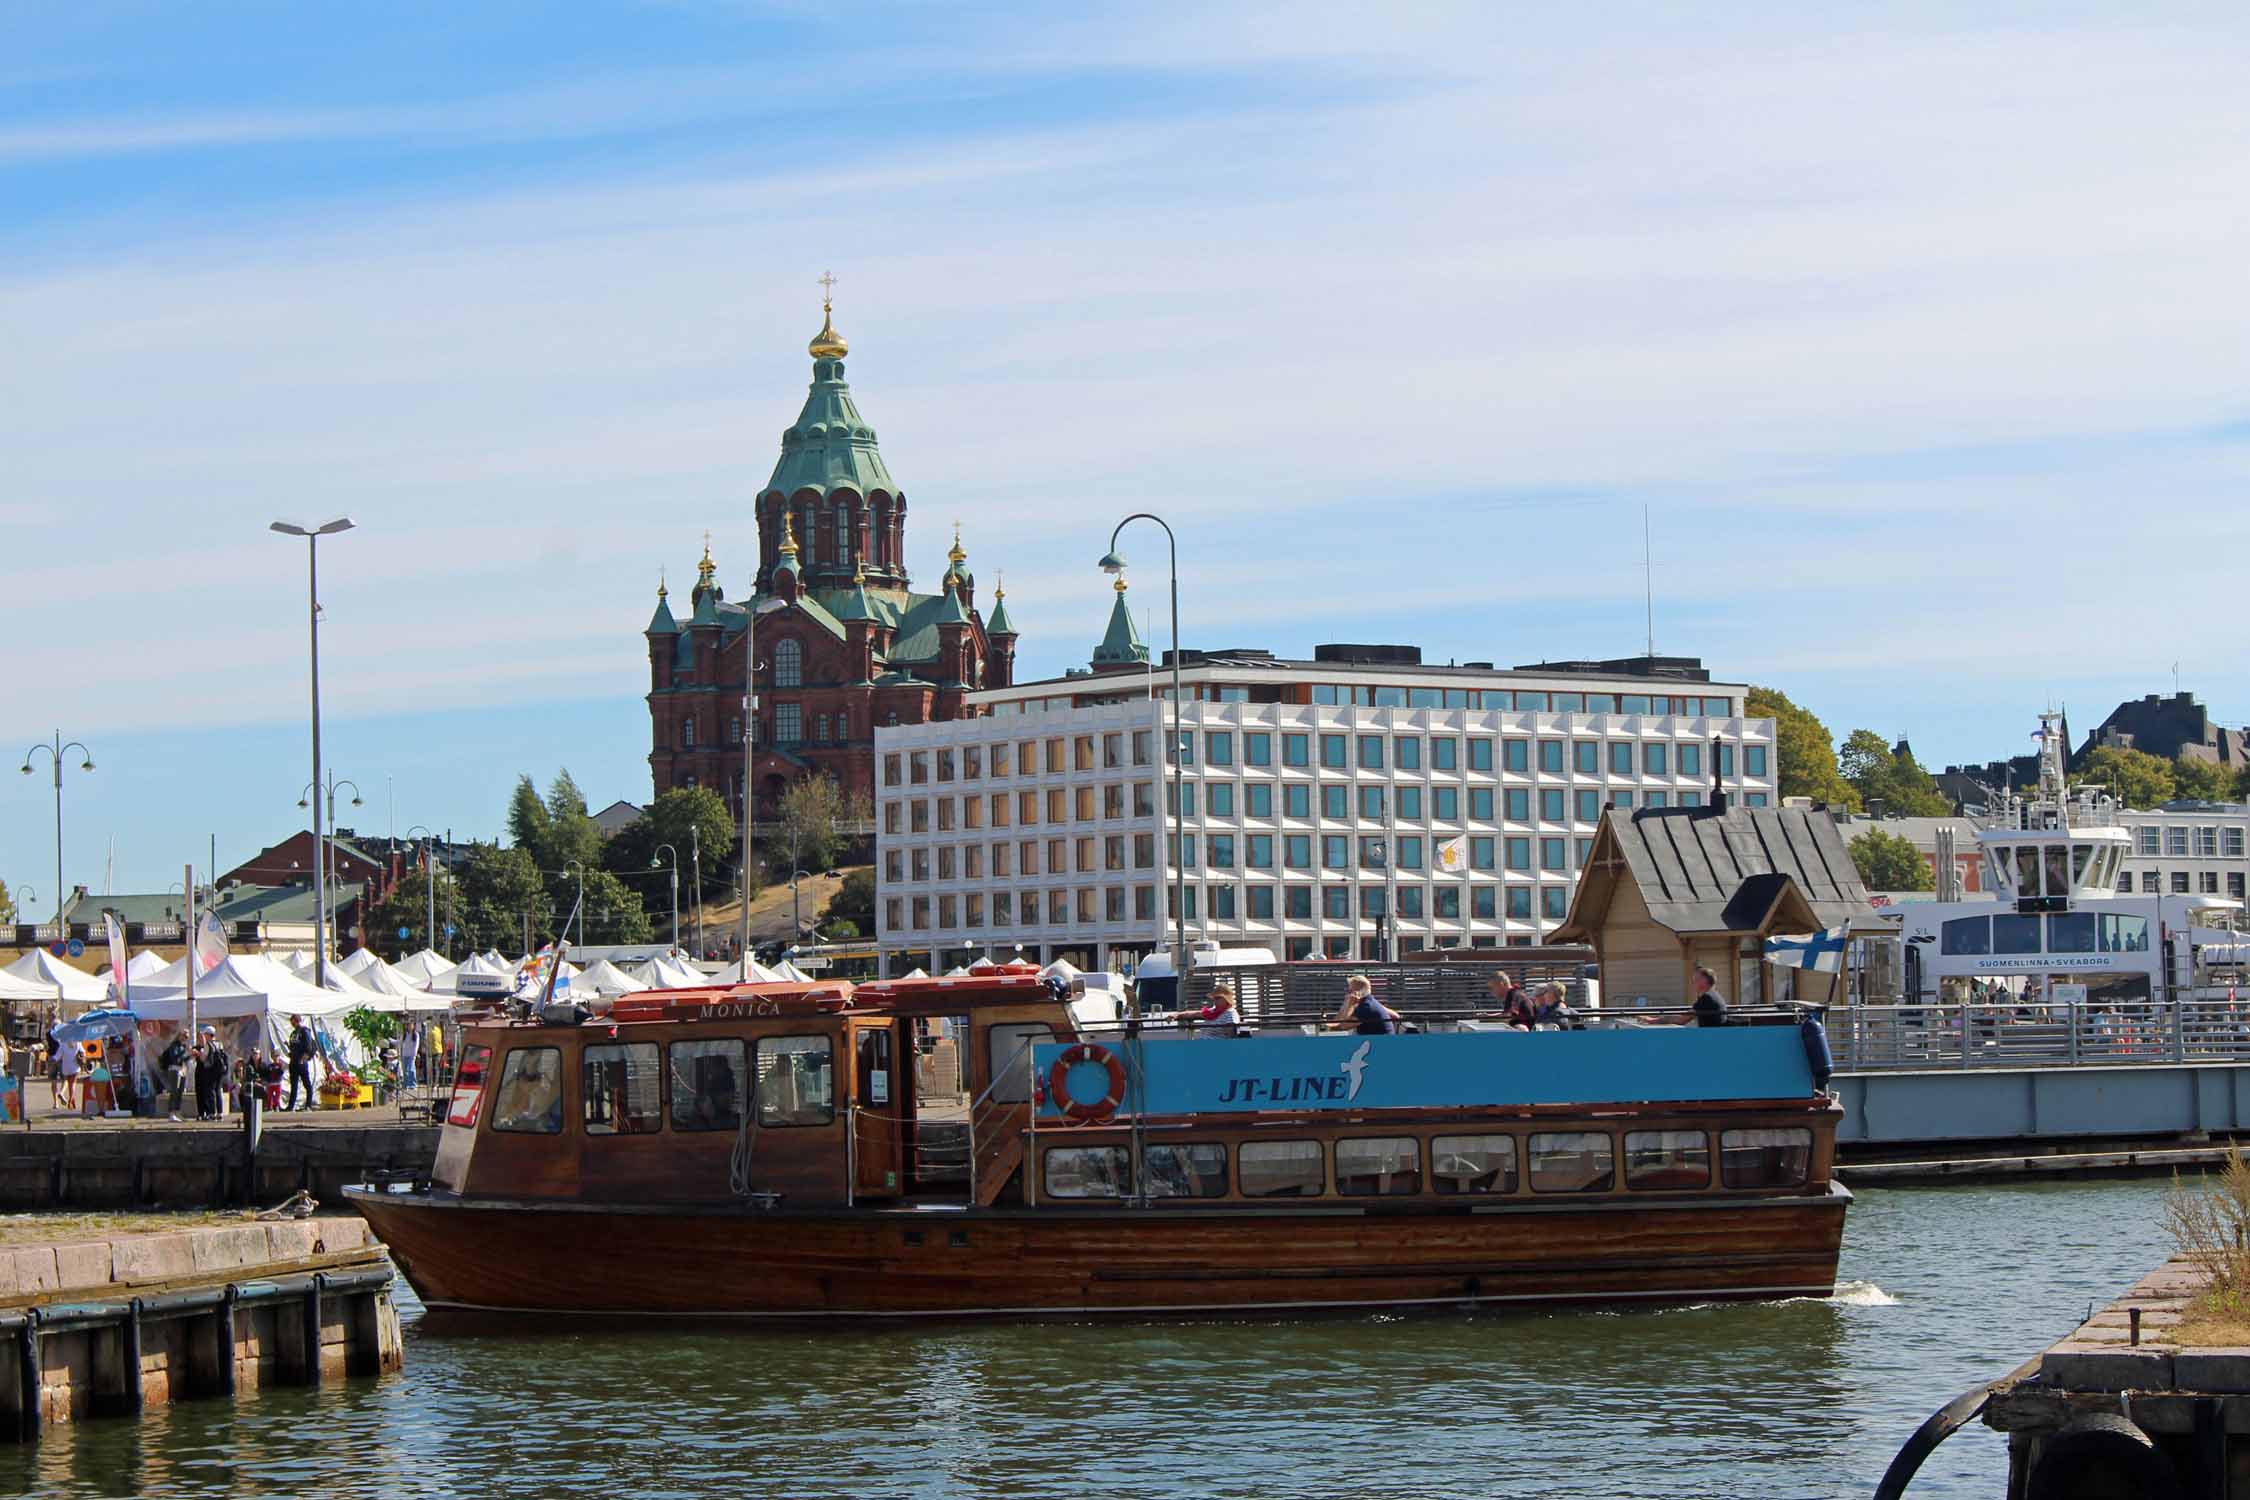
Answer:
(1373, 656)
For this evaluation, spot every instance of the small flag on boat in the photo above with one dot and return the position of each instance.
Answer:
(1821, 952)
(1453, 854)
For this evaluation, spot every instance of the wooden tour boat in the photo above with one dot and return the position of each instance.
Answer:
(965, 1147)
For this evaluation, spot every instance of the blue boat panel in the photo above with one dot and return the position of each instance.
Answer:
(1441, 1071)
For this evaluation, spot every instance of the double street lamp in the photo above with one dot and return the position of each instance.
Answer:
(86, 763)
(749, 740)
(312, 536)
(314, 796)
(429, 880)
(655, 863)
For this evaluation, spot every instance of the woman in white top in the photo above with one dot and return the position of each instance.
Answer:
(1219, 1017)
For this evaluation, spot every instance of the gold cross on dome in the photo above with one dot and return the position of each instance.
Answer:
(827, 288)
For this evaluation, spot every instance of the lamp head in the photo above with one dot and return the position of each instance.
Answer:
(25, 768)
(1112, 563)
(87, 764)
(302, 802)
(357, 803)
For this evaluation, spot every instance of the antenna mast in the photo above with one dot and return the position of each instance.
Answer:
(1648, 581)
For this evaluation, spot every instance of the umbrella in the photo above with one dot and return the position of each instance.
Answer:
(97, 1023)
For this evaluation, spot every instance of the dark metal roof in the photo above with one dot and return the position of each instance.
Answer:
(1703, 870)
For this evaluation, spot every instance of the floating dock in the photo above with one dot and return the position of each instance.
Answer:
(110, 1326)
(71, 1166)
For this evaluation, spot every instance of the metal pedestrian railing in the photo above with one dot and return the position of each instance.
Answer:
(1887, 1038)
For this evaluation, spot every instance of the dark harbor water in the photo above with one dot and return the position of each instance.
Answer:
(1949, 1286)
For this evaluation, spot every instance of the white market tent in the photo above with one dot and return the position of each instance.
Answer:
(751, 972)
(50, 974)
(385, 982)
(605, 978)
(789, 971)
(478, 975)
(425, 968)
(244, 984)
(143, 964)
(297, 962)
(12, 988)
(957, 972)
(917, 972)
(665, 972)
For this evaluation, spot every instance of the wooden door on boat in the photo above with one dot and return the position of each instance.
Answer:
(881, 1110)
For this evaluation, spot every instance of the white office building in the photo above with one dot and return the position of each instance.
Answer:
(1351, 805)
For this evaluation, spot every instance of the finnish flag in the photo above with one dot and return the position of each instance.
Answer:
(1821, 952)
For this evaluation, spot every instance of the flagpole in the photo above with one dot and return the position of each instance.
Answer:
(194, 931)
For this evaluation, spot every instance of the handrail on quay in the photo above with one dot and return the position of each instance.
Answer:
(2014, 1035)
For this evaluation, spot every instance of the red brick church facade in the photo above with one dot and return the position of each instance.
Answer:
(843, 642)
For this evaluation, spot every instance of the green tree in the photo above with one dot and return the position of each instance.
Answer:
(7, 903)
(1890, 862)
(2203, 780)
(408, 906)
(498, 887)
(1804, 750)
(527, 818)
(806, 832)
(2138, 778)
(853, 903)
(615, 913)
(1864, 760)
(681, 817)
(1879, 772)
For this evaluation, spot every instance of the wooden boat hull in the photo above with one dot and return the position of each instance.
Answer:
(528, 1256)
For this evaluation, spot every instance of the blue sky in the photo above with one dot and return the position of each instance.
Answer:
(1919, 331)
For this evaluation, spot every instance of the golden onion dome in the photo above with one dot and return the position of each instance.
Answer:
(828, 343)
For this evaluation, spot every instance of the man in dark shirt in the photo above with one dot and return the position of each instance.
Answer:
(1372, 1016)
(300, 1063)
(1710, 1005)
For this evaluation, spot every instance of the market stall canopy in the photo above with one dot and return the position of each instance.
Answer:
(386, 981)
(49, 972)
(1061, 968)
(478, 975)
(665, 972)
(143, 964)
(789, 971)
(605, 978)
(750, 971)
(244, 984)
(425, 968)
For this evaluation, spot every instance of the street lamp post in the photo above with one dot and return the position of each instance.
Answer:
(86, 763)
(667, 848)
(749, 739)
(695, 845)
(429, 881)
(312, 536)
(1112, 562)
(564, 937)
(314, 795)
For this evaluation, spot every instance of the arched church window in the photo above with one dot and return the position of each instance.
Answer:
(788, 664)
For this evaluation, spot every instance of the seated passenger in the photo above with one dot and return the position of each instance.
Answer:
(1710, 1007)
(1370, 1015)
(1515, 1009)
(1219, 1017)
(1552, 1010)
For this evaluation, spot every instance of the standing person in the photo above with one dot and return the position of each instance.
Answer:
(434, 1045)
(66, 1076)
(301, 1051)
(174, 1061)
(210, 1076)
(409, 1046)
(1371, 1017)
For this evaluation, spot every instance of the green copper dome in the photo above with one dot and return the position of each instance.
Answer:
(830, 447)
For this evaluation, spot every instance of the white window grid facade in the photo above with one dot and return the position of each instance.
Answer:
(2203, 851)
(1523, 856)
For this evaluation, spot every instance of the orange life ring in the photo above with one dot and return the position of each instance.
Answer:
(1058, 1083)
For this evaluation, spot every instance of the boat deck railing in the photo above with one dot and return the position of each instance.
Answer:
(1891, 1038)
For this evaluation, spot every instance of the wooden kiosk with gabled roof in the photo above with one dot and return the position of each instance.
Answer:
(1667, 889)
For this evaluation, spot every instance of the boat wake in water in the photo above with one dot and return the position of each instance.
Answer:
(1858, 1294)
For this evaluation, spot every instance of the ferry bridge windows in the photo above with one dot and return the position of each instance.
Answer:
(1573, 1161)
(1378, 1166)
(530, 1097)
(1667, 1159)
(1764, 1158)
(1196, 1170)
(622, 1089)
(707, 1084)
(1966, 936)
(2071, 932)
(468, 1085)
(796, 1081)
(1086, 1172)
(2012, 933)
(1281, 1169)
(1473, 1164)
(2123, 934)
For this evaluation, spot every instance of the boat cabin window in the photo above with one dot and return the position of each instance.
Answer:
(1087, 1171)
(2080, 856)
(622, 1087)
(1572, 1161)
(1196, 1170)
(1281, 1169)
(2027, 869)
(1764, 1158)
(707, 1084)
(1661, 1159)
(2124, 934)
(530, 1099)
(796, 1081)
(1009, 1056)
(468, 1085)
(2071, 932)
(1379, 1166)
(2058, 869)
(2012, 933)
(1474, 1163)
(1966, 935)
